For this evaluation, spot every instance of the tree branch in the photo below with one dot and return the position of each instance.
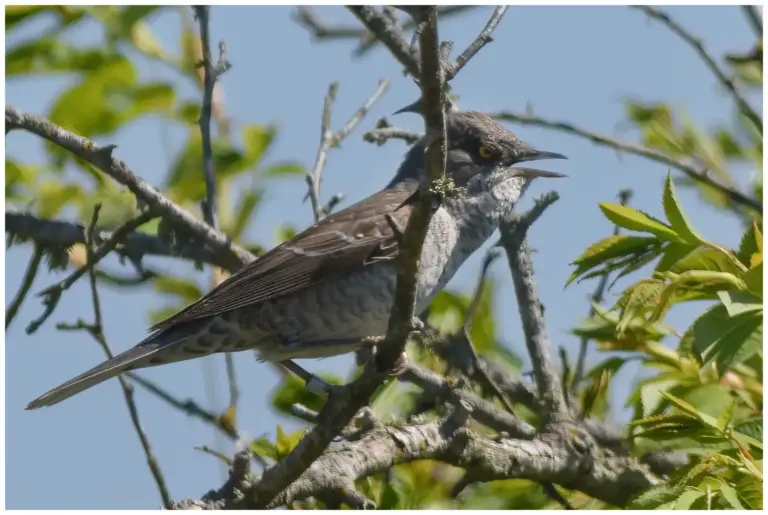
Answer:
(26, 284)
(696, 44)
(754, 18)
(483, 39)
(101, 157)
(389, 33)
(513, 236)
(330, 139)
(57, 233)
(694, 172)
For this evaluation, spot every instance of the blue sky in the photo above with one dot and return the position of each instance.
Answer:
(570, 63)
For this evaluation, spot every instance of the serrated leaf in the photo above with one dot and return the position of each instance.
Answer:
(655, 496)
(285, 442)
(630, 218)
(611, 364)
(608, 249)
(730, 495)
(690, 410)
(596, 391)
(754, 280)
(680, 223)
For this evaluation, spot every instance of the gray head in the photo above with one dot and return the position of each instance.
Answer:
(482, 155)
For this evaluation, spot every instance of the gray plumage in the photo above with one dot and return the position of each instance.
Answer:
(330, 286)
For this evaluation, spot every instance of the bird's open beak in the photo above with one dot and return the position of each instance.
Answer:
(537, 155)
(532, 173)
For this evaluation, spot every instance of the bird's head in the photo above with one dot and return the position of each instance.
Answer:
(482, 158)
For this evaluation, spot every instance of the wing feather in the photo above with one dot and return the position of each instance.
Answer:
(340, 243)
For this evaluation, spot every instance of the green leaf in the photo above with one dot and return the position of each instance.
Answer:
(680, 223)
(286, 168)
(655, 496)
(729, 340)
(691, 410)
(754, 280)
(643, 113)
(292, 390)
(284, 443)
(263, 447)
(736, 308)
(635, 220)
(611, 364)
(66, 14)
(751, 244)
(151, 97)
(730, 495)
(185, 289)
(256, 140)
(609, 249)
(687, 498)
(245, 209)
(52, 196)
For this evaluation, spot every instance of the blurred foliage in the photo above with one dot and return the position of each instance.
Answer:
(704, 392)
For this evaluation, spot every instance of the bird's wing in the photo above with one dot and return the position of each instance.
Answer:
(339, 244)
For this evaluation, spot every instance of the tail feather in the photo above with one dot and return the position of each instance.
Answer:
(139, 356)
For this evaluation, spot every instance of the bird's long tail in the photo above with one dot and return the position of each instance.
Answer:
(155, 350)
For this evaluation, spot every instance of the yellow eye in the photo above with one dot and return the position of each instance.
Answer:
(485, 151)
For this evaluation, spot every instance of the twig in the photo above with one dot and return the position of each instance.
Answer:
(513, 236)
(97, 332)
(211, 74)
(329, 139)
(26, 284)
(597, 298)
(483, 411)
(306, 17)
(480, 371)
(483, 39)
(696, 44)
(390, 34)
(101, 157)
(53, 293)
(189, 406)
(754, 18)
(694, 172)
(213, 452)
(384, 132)
(57, 233)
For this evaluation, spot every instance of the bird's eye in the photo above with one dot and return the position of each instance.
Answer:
(485, 151)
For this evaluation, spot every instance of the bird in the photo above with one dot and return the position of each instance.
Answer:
(332, 286)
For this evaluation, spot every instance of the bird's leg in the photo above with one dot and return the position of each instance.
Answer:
(313, 383)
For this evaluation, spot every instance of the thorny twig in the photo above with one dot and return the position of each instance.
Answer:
(383, 132)
(755, 20)
(96, 330)
(483, 39)
(696, 44)
(330, 139)
(693, 171)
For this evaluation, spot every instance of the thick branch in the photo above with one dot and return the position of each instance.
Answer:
(101, 157)
(694, 172)
(513, 236)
